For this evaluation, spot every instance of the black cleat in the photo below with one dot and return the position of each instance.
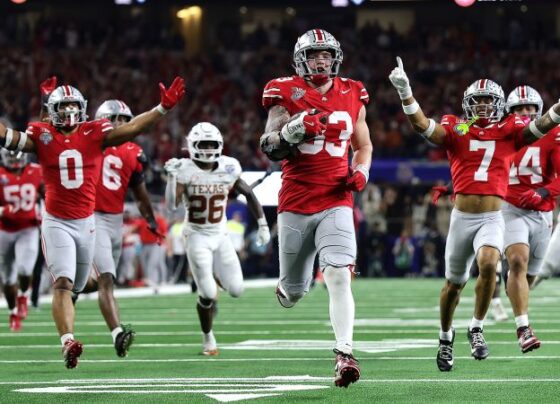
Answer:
(479, 349)
(444, 357)
(124, 341)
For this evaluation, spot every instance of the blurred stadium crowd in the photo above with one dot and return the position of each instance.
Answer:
(400, 231)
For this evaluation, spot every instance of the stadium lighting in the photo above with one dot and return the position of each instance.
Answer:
(189, 12)
(19, 1)
(339, 3)
(123, 2)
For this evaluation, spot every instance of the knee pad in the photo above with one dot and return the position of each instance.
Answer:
(205, 303)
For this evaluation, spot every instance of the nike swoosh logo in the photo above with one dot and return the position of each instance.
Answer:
(310, 124)
(87, 132)
(501, 125)
(345, 91)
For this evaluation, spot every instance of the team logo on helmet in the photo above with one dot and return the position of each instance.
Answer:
(46, 138)
(297, 93)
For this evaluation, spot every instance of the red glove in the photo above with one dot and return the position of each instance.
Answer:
(357, 178)
(48, 86)
(439, 191)
(171, 96)
(531, 198)
(304, 125)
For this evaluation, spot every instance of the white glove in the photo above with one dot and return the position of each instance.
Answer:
(172, 166)
(400, 81)
(263, 234)
(293, 131)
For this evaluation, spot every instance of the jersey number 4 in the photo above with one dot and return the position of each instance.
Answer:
(533, 157)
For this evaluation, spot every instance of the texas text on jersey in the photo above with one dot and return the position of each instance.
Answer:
(480, 158)
(71, 164)
(207, 194)
(309, 179)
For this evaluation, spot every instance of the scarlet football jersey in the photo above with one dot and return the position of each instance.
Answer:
(480, 158)
(21, 192)
(313, 180)
(71, 166)
(534, 166)
(119, 162)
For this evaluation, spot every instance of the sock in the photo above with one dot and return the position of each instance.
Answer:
(341, 306)
(27, 293)
(116, 331)
(446, 335)
(496, 301)
(208, 338)
(475, 323)
(14, 311)
(522, 321)
(66, 337)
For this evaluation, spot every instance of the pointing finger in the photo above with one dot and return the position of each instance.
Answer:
(399, 63)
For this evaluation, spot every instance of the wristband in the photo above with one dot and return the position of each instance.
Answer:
(161, 109)
(411, 109)
(9, 137)
(262, 221)
(22, 141)
(534, 130)
(554, 116)
(363, 169)
(430, 131)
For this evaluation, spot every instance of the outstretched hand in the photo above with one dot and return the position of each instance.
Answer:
(169, 97)
(48, 86)
(400, 80)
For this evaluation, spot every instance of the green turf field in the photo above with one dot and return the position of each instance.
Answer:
(271, 355)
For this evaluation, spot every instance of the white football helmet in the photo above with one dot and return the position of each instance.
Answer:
(13, 160)
(200, 135)
(112, 110)
(316, 40)
(69, 117)
(484, 88)
(525, 95)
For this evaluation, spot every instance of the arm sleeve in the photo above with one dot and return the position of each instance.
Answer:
(362, 93)
(275, 93)
(448, 122)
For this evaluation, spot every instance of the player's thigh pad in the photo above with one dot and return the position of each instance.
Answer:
(26, 250)
(335, 238)
(59, 246)
(463, 228)
(517, 225)
(107, 233)
(8, 274)
(84, 252)
(491, 232)
(539, 238)
(227, 267)
(296, 236)
(200, 252)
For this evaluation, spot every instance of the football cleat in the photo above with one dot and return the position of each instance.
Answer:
(210, 348)
(22, 306)
(71, 351)
(479, 349)
(124, 340)
(346, 369)
(282, 299)
(528, 341)
(499, 311)
(444, 357)
(15, 322)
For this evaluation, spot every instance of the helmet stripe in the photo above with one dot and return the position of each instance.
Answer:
(319, 35)
(482, 84)
(523, 92)
(67, 91)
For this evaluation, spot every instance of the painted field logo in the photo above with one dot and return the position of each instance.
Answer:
(220, 389)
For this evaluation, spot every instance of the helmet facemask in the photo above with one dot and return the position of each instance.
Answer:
(57, 106)
(525, 95)
(116, 111)
(13, 160)
(484, 113)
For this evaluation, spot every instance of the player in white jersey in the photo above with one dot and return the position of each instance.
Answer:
(203, 183)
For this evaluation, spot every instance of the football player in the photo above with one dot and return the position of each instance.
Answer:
(123, 166)
(21, 183)
(527, 211)
(70, 152)
(479, 151)
(314, 117)
(203, 183)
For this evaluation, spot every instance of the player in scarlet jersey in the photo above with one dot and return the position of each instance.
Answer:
(122, 166)
(479, 151)
(313, 118)
(70, 152)
(527, 211)
(20, 186)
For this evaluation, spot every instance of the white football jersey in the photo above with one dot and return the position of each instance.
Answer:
(207, 193)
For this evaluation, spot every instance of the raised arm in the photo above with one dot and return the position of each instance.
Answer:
(13, 139)
(169, 98)
(46, 88)
(263, 234)
(425, 127)
(540, 126)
